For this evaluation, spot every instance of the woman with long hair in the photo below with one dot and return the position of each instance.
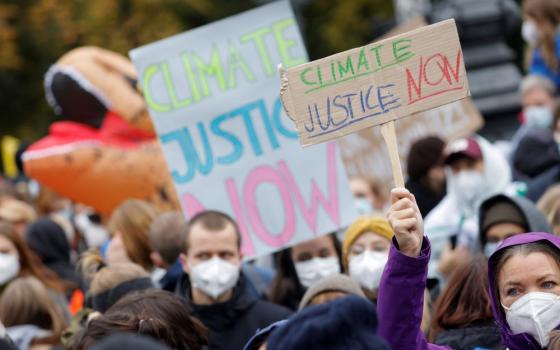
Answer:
(541, 31)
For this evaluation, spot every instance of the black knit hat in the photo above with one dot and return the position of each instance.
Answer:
(345, 323)
(424, 154)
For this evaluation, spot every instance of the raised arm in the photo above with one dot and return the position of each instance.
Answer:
(401, 293)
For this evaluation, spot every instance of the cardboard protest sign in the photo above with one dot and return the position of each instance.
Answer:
(213, 96)
(364, 154)
(376, 83)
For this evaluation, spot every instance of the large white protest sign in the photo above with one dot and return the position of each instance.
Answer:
(213, 97)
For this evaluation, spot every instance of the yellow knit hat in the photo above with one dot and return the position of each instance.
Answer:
(362, 225)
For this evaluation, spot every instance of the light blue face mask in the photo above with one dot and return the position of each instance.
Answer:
(363, 206)
(538, 116)
(491, 247)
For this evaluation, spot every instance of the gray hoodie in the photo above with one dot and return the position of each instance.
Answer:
(535, 219)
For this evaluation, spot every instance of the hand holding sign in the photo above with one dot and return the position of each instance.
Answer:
(406, 221)
(376, 84)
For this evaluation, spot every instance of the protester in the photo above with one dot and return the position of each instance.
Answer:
(537, 99)
(541, 20)
(370, 196)
(330, 288)
(91, 227)
(426, 173)
(302, 265)
(523, 284)
(549, 205)
(32, 319)
(155, 313)
(16, 260)
(109, 283)
(365, 250)
(48, 241)
(537, 157)
(476, 171)
(130, 225)
(214, 286)
(18, 213)
(463, 315)
(503, 216)
(345, 323)
(167, 235)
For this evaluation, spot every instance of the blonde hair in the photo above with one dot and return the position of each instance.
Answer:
(27, 301)
(132, 220)
(102, 277)
(14, 211)
(549, 205)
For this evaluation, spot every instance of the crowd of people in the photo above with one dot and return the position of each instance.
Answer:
(466, 257)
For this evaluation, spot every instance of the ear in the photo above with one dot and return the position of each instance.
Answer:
(184, 264)
(157, 260)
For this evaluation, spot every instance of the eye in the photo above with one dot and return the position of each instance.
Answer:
(357, 249)
(203, 256)
(304, 257)
(324, 253)
(512, 292)
(226, 255)
(548, 285)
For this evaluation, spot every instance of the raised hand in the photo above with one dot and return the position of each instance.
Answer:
(406, 221)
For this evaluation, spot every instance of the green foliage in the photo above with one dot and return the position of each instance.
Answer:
(35, 33)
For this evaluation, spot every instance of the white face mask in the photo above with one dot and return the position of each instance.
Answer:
(530, 33)
(535, 313)
(469, 187)
(363, 206)
(538, 116)
(9, 267)
(490, 248)
(313, 270)
(367, 268)
(214, 277)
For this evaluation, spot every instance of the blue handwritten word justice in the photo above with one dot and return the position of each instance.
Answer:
(343, 110)
(216, 127)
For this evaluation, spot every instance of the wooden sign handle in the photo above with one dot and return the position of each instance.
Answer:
(390, 137)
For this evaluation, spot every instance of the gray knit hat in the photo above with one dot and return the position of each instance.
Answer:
(333, 283)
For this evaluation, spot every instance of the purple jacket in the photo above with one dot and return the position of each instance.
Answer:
(521, 341)
(401, 298)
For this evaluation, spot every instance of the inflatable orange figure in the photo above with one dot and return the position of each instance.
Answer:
(105, 150)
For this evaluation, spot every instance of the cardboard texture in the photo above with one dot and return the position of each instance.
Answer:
(371, 85)
(364, 153)
(213, 97)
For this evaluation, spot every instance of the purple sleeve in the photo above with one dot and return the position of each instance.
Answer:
(401, 298)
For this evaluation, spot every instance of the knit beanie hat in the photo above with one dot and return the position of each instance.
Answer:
(500, 212)
(333, 283)
(362, 225)
(424, 154)
(345, 323)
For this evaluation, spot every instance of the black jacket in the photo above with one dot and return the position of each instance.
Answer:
(536, 161)
(481, 334)
(234, 322)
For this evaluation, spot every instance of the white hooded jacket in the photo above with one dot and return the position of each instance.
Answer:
(452, 218)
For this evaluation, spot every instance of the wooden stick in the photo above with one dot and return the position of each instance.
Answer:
(390, 137)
